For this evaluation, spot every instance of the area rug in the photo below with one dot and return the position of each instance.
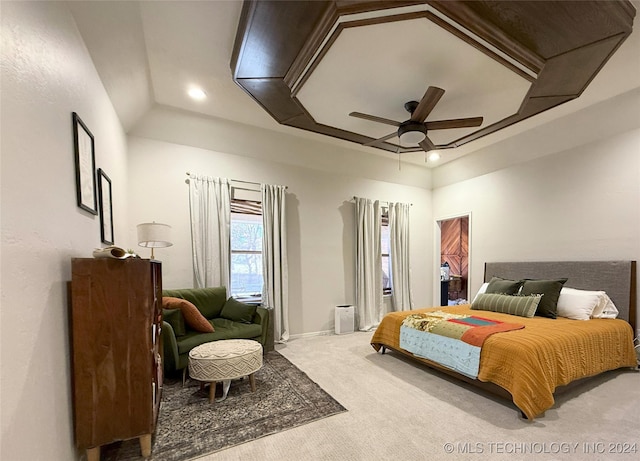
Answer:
(190, 427)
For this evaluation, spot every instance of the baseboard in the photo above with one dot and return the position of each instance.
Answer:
(314, 333)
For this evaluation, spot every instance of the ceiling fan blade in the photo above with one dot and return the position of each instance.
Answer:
(373, 118)
(379, 140)
(454, 123)
(427, 103)
(427, 145)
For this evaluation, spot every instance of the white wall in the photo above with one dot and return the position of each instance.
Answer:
(320, 211)
(46, 75)
(580, 204)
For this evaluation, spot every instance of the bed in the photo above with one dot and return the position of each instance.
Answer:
(529, 364)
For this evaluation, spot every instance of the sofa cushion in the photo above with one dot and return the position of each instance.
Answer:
(174, 318)
(225, 329)
(209, 301)
(190, 312)
(238, 311)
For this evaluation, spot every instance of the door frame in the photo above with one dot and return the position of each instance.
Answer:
(437, 248)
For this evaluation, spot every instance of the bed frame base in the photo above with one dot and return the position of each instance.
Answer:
(488, 387)
(485, 386)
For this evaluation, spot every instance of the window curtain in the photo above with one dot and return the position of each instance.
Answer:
(275, 289)
(209, 207)
(368, 263)
(399, 254)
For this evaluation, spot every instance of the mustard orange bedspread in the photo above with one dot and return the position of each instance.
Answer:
(547, 353)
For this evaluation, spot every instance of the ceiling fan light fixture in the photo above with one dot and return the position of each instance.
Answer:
(411, 132)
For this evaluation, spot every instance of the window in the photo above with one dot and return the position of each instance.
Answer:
(385, 250)
(246, 249)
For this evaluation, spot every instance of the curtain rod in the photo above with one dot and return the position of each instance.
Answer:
(245, 182)
(381, 201)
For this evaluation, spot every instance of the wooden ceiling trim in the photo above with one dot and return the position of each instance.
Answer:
(303, 121)
(317, 37)
(332, 39)
(384, 19)
(271, 35)
(334, 9)
(274, 42)
(364, 6)
(273, 95)
(463, 13)
(559, 72)
(461, 35)
(536, 104)
(300, 70)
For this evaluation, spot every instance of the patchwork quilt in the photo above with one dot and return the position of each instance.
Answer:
(452, 340)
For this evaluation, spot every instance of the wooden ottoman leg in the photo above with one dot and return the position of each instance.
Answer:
(252, 381)
(145, 445)
(93, 454)
(212, 392)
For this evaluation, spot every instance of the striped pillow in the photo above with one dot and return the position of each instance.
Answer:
(523, 306)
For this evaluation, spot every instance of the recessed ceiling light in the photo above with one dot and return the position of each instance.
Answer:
(197, 93)
(434, 157)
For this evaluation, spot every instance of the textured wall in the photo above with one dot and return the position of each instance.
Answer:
(581, 204)
(320, 221)
(46, 75)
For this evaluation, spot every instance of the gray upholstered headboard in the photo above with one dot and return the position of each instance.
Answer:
(617, 278)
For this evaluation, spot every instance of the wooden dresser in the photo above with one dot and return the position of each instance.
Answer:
(116, 318)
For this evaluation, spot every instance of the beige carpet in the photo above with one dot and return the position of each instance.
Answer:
(398, 410)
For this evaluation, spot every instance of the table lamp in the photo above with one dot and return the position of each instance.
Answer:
(154, 235)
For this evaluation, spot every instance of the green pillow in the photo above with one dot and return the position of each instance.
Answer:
(550, 291)
(523, 306)
(209, 301)
(503, 286)
(238, 311)
(174, 318)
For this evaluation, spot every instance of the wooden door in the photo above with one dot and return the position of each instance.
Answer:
(454, 249)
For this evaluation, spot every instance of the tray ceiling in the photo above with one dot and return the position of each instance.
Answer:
(148, 54)
(309, 64)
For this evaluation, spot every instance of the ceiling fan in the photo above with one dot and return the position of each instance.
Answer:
(414, 130)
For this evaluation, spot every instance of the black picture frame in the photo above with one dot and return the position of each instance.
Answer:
(84, 147)
(106, 207)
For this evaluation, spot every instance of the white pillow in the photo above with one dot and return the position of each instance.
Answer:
(578, 304)
(605, 310)
(483, 288)
(584, 304)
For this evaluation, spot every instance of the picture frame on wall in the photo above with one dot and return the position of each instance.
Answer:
(106, 207)
(84, 147)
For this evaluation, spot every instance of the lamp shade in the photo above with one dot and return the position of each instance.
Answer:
(154, 235)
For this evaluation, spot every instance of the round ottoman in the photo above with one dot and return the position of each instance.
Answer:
(225, 360)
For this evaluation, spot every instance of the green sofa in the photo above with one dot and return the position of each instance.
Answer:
(231, 319)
